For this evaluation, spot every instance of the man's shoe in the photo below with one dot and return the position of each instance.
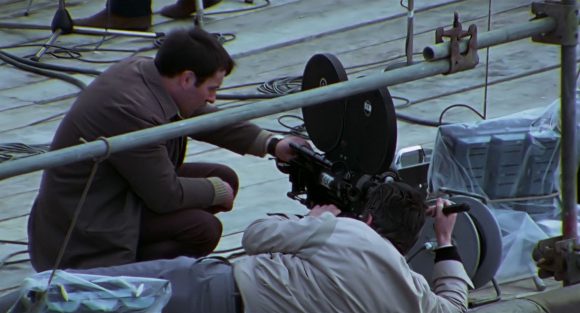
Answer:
(105, 20)
(184, 8)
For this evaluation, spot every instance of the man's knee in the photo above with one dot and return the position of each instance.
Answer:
(213, 230)
(206, 238)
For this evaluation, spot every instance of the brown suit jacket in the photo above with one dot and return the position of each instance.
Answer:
(128, 97)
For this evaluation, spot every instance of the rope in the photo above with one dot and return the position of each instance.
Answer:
(81, 203)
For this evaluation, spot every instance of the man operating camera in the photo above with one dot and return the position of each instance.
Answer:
(323, 263)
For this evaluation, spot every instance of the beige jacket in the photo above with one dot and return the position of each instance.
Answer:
(329, 264)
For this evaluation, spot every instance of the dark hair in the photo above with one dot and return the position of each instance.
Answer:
(398, 213)
(192, 49)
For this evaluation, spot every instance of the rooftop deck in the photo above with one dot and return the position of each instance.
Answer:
(273, 39)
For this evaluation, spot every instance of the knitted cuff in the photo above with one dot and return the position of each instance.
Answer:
(258, 147)
(447, 253)
(220, 193)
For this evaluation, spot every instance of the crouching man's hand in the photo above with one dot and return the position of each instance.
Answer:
(281, 149)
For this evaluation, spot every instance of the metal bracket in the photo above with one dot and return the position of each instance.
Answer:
(560, 258)
(566, 17)
(458, 61)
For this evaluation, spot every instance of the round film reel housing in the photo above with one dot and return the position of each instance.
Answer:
(490, 239)
(465, 237)
(324, 121)
(360, 132)
(478, 240)
(370, 132)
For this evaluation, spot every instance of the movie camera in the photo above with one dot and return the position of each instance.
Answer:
(355, 137)
(355, 142)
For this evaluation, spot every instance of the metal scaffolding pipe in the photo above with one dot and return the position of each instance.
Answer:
(215, 120)
(212, 121)
(493, 38)
(569, 166)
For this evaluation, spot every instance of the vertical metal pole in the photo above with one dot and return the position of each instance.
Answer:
(199, 13)
(410, 31)
(27, 12)
(568, 151)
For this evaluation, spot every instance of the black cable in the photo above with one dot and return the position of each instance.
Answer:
(9, 151)
(43, 72)
(244, 96)
(237, 255)
(228, 250)
(299, 130)
(4, 260)
(424, 247)
(53, 67)
(76, 53)
(281, 86)
(80, 47)
(15, 262)
(459, 105)
(225, 37)
(13, 242)
(416, 120)
(268, 90)
(234, 233)
(406, 102)
(69, 54)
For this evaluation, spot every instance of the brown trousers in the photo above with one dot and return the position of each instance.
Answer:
(191, 232)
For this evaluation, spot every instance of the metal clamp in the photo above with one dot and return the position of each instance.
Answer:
(566, 17)
(560, 258)
(458, 61)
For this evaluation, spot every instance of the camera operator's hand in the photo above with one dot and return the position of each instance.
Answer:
(443, 223)
(318, 210)
(284, 152)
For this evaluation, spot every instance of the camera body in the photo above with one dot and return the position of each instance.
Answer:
(316, 180)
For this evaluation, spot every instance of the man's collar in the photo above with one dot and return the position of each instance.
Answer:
(153, 79)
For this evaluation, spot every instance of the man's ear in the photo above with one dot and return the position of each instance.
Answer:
(369, 220)
(188, 79)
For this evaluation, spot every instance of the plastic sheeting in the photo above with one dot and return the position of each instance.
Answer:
(512, 165)
(91, 293)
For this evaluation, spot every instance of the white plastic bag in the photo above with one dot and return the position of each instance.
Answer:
(91, 293)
